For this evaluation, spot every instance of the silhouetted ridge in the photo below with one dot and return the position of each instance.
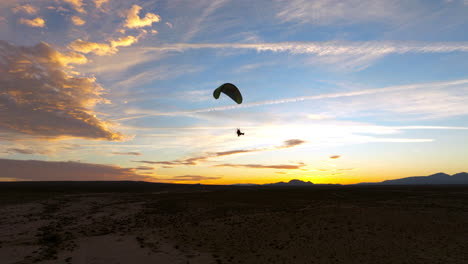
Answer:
(294, 182)
(438, 178)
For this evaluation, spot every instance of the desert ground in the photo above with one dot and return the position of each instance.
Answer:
(128, 222)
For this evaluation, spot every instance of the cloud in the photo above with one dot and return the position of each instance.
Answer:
(37, 22)
(192, 178)
(144, 168)
(86, 47)
(343, 55)
(28, 9)
(77, 21)
(127, 153)
(260, 166)
(102, 49)
(329, 48)
(325, 12)
(335, 157)
(36, 170)
(162, 72)
(77, 5)
(39, 97)
(134, 20)
(124, 41)
(99, 3)
(210, 155)
(397, 99)
(196, 24)
(58, 8)
(25, 151)
(292, 143)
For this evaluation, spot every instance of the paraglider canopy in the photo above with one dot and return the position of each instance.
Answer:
(230, 90)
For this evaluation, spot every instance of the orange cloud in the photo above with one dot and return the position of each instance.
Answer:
(77, 5)
(28, 9)
(39, 97)
(77, 21)
(134, 20)
(99, 3)
(124, 41)
(260, 166)
(102, 49)
(86, 47)
(37, 170)
(335, 157)
(37, 22)
(192, 178)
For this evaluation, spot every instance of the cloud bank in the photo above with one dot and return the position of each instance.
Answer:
(36, 170)
(39, 97)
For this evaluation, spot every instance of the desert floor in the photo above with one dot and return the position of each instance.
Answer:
(135, 223)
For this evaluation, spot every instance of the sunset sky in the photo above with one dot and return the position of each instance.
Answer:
(334, 91)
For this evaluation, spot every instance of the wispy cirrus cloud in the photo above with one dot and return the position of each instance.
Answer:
(196, 25)
(343, 55)
(328, 48)
(36, 22)
(38, 95)
(25, 151)
(325, 12)
(211, 155)
(453, 93)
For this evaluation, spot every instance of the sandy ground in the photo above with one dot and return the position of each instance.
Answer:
(239, 226)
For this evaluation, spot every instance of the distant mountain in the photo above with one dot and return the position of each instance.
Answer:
(438, 178)
(290, 183)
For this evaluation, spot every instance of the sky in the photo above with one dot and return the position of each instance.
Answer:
(333, 91)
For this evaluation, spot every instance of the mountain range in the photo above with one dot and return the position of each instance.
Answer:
(434, 179)
(438, 178)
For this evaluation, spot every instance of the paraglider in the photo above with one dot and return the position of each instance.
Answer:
(233, 92)
(230, 90)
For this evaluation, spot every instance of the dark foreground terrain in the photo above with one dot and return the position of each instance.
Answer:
(128, 222)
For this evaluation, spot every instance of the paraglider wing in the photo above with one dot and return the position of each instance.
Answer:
(230, 90)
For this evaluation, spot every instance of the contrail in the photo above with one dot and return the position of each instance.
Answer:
(300, 99)
(327, 48)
